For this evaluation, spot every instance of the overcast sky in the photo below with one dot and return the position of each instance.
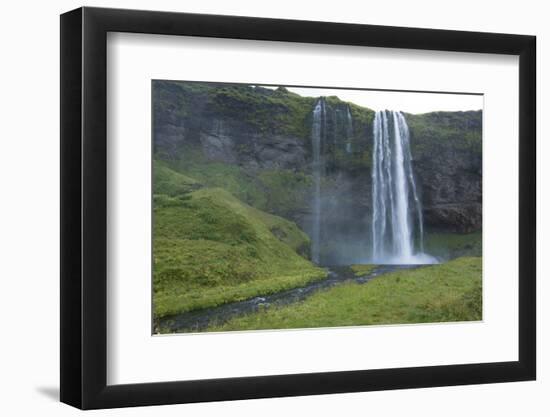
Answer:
(402, 101)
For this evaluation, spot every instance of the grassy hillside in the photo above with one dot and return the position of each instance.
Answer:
(210, 248)
(171, 183)
(280, 191)
(438, 293)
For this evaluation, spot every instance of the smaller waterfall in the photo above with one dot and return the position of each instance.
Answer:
(395, 198)
(404, 132)
(349, 130)
(319, 117)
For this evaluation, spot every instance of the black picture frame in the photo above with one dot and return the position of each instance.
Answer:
(84, 207)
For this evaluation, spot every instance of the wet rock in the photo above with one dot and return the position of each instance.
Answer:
(463, 218)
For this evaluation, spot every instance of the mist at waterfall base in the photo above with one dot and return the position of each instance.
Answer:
(391, 231)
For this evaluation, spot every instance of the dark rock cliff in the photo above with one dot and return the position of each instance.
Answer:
(266, 134)
(447, 152)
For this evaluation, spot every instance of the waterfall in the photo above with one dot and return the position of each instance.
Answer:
(404, 132)
(395, 200)
(319, 117)
(349, 131)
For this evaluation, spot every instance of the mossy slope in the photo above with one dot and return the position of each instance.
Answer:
(278, 191)
(210, 248)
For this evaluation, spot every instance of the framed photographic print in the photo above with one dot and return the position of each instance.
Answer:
(258, 207)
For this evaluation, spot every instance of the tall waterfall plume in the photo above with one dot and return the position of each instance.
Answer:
(397, 221)
(317, 130)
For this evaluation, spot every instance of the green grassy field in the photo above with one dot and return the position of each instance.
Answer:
(438, 293)
(210, 248)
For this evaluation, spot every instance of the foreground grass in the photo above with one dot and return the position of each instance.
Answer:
(211, 249)
(438, 293)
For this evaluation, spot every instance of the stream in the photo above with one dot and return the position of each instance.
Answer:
(197, 320)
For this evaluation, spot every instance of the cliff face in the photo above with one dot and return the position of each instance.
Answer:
(264, 136)
(447, 150)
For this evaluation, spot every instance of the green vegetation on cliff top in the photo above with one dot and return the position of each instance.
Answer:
(275, 111)
(172, 183)
(438, 293)
(460, 130)
(210, 248)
